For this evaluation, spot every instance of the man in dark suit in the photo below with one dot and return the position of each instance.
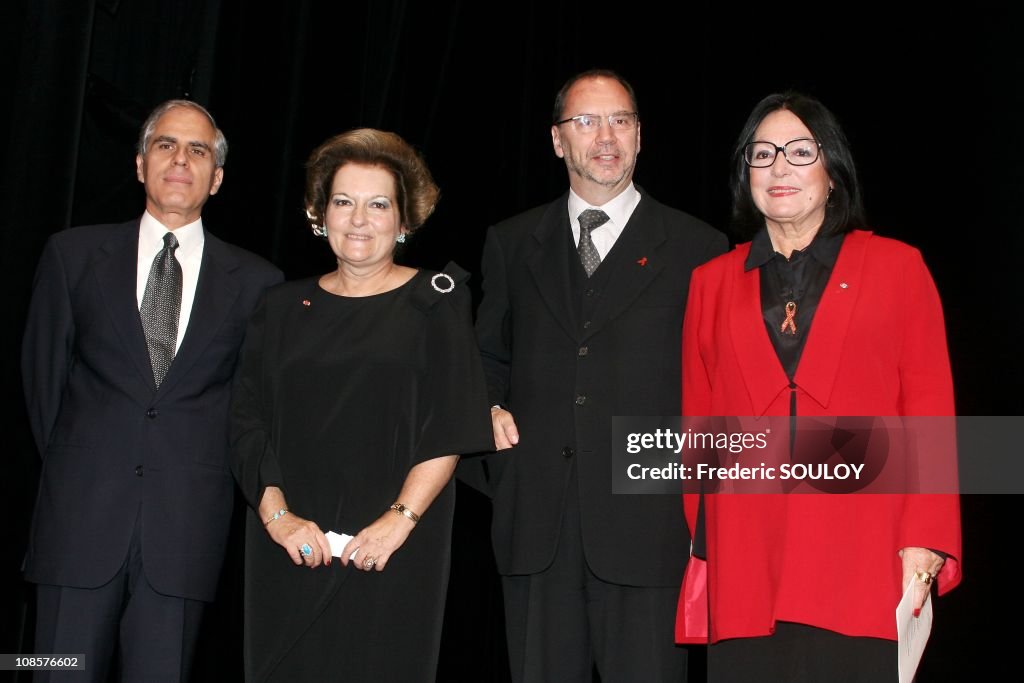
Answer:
(581, 321)
(130, 346)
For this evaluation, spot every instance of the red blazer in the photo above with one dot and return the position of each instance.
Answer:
(876, 347)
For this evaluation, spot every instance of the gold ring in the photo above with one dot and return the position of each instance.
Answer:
(924, 577)
(369, 562)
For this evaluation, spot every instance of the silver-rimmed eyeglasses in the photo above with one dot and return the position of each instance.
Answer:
(799, 152)
(589, 123)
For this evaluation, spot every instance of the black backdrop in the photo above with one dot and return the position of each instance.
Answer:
(931, 103)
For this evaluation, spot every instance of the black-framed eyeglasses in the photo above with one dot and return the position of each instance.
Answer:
(589, 123)
(799, 152)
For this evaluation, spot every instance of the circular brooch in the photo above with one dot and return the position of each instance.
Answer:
(444, 277)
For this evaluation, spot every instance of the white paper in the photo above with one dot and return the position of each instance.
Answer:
(912, 632)
(338, 543)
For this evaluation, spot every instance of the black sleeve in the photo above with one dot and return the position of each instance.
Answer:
(493, 322)
(253, 460)
(456, 417)
(48, 344)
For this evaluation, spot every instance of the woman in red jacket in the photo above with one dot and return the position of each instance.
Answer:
(813, 317)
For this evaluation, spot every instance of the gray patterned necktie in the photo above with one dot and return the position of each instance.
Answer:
(589, 220)
(161, 305)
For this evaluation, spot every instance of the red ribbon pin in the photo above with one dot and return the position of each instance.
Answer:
(790, 320)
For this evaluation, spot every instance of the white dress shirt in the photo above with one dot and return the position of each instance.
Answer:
(189, 253)
(618, 209)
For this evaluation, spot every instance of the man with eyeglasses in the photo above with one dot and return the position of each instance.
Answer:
(580, 321)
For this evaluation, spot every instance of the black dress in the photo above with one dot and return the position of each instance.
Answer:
(335, 400)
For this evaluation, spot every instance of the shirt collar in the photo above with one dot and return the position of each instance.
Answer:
(823, 248)
(151, 236)
(619, 209)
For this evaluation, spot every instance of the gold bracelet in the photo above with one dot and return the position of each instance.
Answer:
(405, 512)
(277, 515)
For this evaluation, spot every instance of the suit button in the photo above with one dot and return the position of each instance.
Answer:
(590, 292)
(586, 325)
(581, 399)
(583, 351)
(138, 470)
(152, 413)
(568, 452)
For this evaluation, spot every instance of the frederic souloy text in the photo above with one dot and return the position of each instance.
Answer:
(666, 439)
(705, 472)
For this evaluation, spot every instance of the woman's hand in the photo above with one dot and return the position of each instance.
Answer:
(292, 532)
(374, 545)
(921, 566)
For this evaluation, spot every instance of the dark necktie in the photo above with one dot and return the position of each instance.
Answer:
(589, 220)
(161, 305)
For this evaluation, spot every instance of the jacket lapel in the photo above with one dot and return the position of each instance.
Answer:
(549, 264)
(762, 371)
(635, 266)
(216, 293)
(116, 273)
(819, 363)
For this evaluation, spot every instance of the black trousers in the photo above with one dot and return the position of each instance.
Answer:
(797, 653)
(565, 621)
(154, 634)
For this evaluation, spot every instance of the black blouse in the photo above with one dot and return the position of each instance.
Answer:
(797, 284)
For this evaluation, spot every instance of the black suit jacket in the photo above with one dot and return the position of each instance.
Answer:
(563, 398)
(113, 446)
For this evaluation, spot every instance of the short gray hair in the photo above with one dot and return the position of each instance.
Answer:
(220, 143)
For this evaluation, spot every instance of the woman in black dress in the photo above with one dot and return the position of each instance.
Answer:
(354, 394)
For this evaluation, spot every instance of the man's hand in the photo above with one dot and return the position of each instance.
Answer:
(506, 435)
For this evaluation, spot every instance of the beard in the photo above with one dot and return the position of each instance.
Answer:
(584, 170)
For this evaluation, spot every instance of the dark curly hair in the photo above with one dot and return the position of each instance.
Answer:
(416, 190)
